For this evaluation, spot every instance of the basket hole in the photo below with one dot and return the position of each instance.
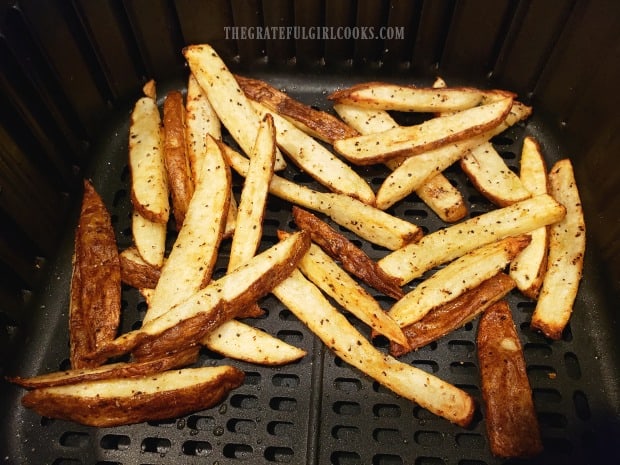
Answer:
(115, 442)
(344, 458)
(244, 401)
(430, 461)
(252, 378)
(427, 365)
(65, 461)
(546, 396)
(156, 445)
(290, 336)
(287, 315)
(241, 426)
(387, 459)
(464, 368)
(73, 439)
(552, 419)
(537, 350)
(348, 384)
(582, 407)
(283, 404)
(347, 408)
(237, 451)
(285, 380)
(461, 347)
(345, 433)
(428, 438)
(540, 372)
(573, 369)
(386, 435)
(197, 448)
(280, 428)
(470, 441)
(386, 411)
(279, 454)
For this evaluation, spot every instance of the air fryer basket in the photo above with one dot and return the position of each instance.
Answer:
(70, 74)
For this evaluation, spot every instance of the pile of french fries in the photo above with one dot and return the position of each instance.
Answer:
(534, 242)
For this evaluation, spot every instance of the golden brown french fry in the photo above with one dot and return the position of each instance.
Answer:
(387, 96)
(149, 238)
(315, 160)
(123, 401)
(456, 278)
(316, 123)
(449, 243)
(192, 258)
(368, 222)
(567, 246)
(308, 304)
(149, 185)
(226, 97)
(511, 421)
(178, 171)
(431, 134)
(95, 295)
(528, 268)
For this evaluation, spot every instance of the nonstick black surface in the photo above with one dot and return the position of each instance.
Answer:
(320, 410)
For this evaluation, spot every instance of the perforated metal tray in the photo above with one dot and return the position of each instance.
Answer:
(320, 410)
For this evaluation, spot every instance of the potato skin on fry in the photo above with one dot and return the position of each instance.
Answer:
(95, 305)
(512, 425)
(136, 272)
(136, 405)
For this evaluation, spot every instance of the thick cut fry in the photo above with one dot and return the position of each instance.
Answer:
(178, 170)
(449, 243)
(386, 96)
(528, 268)
(318, 162)
(316, 123)
(308, 304)
(434, 133)
(457, 278)
(191, 261)
(108, 371)
(415, 171)
(437, 192)
(352, 258)
(189, 321)
(95, 303)
(567, 246)
(510, 416)
(243, 342)
(149, 238)
(454, 314)
(253, 201)
(121, 401)
(231, 105)
(149, 185)
(489, 173)
(136, 272)
(370, 223)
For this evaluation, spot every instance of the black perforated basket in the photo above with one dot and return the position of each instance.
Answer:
(71, 72)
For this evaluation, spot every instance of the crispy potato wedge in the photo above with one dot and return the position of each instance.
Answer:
(437, 192)
(135, 271)
(317, 161)
(510, 416)
(415, 171)
(180, 182)
(528, 268)
(449, 243)
(253, 200)
(368, 222)
(123, 401)
(386, 96)
(149, 238)
(308, 304)
(149, 184)
(325, 273)
(244, 342)
(454, 314)
(352, 258)
(194, 253)
(456, 278)
(434, 133)
(95, 300)
(567, 246)
(230, 103)
(107, 371)
(318, 124)
(488, 172)
(189, 321)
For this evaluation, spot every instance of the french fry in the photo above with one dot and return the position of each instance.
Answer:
(510, 416)
(149, 238)
(452, 315)
(149, 186)
(368, 222)
(318, 162)
(226, 97)
(387, 96)
(434, 133)
(135, 271)
(449, 243)
(456, 278)
(176, 161)
(567, 245)
(316, 123)
(123, 401)
(308, 304)
(95, 295)
(193, 255)
(528, 268)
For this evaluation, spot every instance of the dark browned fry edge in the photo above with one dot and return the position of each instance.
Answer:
(138, 275)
